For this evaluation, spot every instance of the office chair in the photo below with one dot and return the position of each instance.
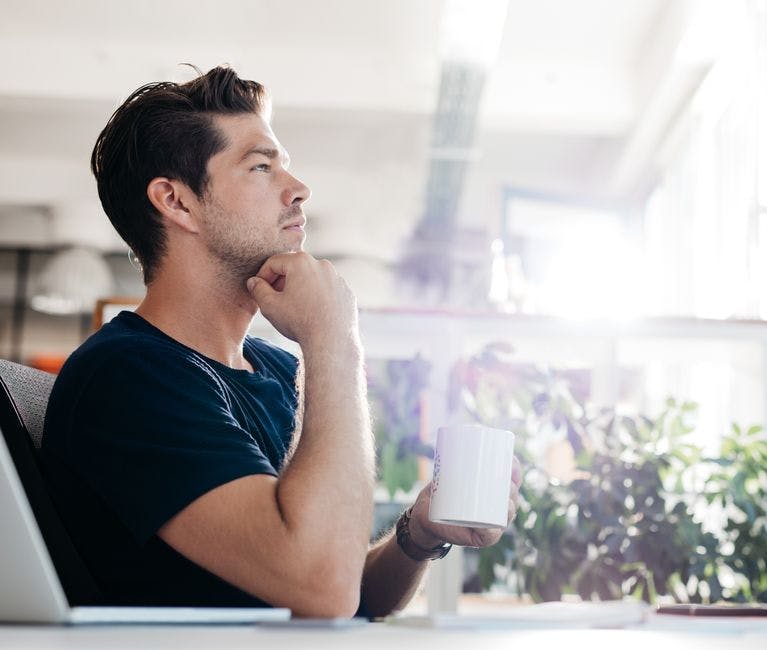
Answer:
(24, 394)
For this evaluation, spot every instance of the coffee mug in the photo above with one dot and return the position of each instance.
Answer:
(472, 476)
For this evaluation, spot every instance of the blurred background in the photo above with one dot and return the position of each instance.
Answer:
(576, 190)
(549, 159)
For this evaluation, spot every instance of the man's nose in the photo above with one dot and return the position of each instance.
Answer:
(296, 192)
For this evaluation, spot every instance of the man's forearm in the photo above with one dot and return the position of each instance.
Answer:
(326, 490)
(390, 578)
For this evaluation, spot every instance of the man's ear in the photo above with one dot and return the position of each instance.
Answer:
(172, 199)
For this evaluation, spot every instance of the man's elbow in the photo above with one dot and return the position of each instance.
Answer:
(329, 603)
(333, 591)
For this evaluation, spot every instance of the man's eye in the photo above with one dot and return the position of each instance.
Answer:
(264, 167)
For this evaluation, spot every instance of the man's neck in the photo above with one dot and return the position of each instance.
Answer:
(209, 317)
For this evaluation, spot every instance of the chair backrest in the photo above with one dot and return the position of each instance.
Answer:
(26, 391)
(24, 394)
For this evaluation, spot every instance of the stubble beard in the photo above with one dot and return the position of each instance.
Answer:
(241, 254)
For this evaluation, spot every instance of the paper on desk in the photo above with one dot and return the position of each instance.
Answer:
(610, 614)
(706, 624)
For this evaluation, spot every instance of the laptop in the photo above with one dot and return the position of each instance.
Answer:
(31, 592)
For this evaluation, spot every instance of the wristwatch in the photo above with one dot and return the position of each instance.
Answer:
(410, 548)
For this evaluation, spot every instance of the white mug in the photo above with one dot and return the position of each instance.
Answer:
(472, 476)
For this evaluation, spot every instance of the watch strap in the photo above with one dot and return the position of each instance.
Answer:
(413, 550)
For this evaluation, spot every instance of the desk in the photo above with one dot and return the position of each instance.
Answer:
(370, 637)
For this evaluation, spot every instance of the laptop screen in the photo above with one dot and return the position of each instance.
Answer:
(30, 589)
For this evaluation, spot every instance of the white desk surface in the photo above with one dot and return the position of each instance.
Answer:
(371, 637)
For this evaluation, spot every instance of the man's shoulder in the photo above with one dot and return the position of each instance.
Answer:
(126, 365)
(118, 339)
(125, 352)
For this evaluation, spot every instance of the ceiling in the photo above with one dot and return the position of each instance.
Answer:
(355, 85)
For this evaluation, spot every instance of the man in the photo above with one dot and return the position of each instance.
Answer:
(195, 465)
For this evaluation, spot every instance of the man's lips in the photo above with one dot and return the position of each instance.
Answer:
(295, 225)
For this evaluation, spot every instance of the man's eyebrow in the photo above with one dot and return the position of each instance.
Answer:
(268, 152)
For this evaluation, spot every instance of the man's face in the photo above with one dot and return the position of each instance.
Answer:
(252, 207)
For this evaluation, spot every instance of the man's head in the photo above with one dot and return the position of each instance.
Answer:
(169, 133)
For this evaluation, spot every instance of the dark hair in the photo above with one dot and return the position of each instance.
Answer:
(164, 129)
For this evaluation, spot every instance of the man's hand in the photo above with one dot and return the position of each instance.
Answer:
(428, 534)
(305, 299)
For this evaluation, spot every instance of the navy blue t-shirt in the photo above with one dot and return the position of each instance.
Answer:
(138, 426)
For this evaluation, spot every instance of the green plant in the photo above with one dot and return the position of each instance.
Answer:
(396, 388)
(628, 519)
(634, 512)
(623, 526)
(737, 485)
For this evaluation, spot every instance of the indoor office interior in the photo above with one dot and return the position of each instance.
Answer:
(553, 215)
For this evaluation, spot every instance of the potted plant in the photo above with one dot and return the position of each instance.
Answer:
(623, 514)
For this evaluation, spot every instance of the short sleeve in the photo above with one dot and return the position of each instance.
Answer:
(153, 430)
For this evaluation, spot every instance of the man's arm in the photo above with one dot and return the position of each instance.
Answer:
(391, 578)
(300, 540)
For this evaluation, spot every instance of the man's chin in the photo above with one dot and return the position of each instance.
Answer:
(292, 248)
(288, 249)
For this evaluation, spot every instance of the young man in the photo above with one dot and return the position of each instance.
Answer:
(195, 465)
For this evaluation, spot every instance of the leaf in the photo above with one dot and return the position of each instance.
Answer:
(397, 473)
(488, 558)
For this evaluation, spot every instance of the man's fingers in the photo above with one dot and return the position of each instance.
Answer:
(270, 273)
(513, 502)
(260, 289)
(516, 472)
(275, 269)
(276, 266)
(512, 512)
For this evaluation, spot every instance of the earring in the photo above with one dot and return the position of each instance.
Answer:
(135, 262)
